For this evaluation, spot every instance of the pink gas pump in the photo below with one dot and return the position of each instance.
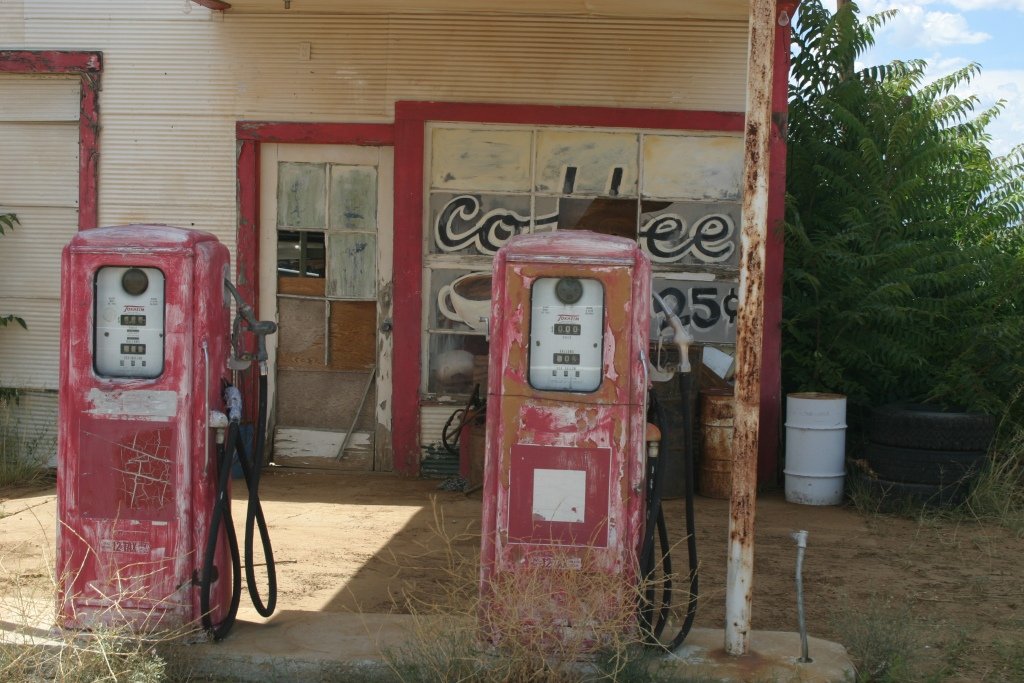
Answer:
(571, 501)
(148, 427)
(566, 422)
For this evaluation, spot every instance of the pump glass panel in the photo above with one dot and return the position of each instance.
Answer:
(566, 334)
(129, 320)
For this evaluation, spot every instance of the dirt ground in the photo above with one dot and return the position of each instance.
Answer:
(348, 541)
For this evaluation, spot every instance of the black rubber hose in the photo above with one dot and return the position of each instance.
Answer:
(685, 389)
(254, 514)
(221, 520)
(656, 518)
(655, 521)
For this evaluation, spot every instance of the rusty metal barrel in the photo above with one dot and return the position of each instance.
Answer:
(714, 473)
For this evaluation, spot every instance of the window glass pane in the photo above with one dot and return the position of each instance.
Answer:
(587, 163)
(697, 167)
(457, 363)
(606, 216)
(698, 233)
(353, 271)
(459, 300)
(480, 160)
(301, 195)
(473, 224)
(354, 198)
(300, 254)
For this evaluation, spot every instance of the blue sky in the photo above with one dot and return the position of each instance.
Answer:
(949, 34)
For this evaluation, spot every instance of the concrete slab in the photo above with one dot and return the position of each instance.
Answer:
(322, 646)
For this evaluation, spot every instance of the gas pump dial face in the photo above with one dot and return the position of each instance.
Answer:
(566, 334)
(129, 322)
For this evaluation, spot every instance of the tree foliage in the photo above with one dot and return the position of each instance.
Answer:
(904, 241)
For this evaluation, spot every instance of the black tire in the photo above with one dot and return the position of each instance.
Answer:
(894, 496)
(923, 466)
(915, 425)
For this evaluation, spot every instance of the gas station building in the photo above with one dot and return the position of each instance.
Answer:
(364, 160)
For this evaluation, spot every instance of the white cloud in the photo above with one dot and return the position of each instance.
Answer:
(1008, 85)
(943, 28)
(970, 5)
(914, 26)
(875, 6)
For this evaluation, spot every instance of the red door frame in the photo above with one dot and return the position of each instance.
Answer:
(248, 137)
(89, 67)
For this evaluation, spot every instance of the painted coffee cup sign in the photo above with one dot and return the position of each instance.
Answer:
(467, 300)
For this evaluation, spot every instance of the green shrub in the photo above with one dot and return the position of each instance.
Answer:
(903, 233)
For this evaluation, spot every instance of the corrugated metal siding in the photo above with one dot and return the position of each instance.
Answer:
(432, 419)
(40, 164)
(38, 98)
(175, 83)
(28, 358)
(30, 255)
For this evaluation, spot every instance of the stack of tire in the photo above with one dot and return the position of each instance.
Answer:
(925, 455)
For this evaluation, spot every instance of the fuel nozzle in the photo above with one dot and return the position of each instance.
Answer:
(260, 328)
(680, 337)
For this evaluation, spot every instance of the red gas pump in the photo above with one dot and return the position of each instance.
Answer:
(564, 482)
(143, 538)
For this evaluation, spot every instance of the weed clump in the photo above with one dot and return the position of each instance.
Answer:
(23, 455)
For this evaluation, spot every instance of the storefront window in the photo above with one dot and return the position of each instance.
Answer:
(677, 194)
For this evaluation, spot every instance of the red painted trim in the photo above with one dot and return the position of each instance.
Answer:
(50, 62)
(405, 314)
(768, 470)
(89, 152)
(247, 240)
(547, 115)
(88, 65)
(374, 134)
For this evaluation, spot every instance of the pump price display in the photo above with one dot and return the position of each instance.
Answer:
(133, 320)
(567, 330)
(133, 349)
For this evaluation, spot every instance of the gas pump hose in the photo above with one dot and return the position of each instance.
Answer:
(653, 630)
(254, 517)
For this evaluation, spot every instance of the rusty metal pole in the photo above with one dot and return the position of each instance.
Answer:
(749, 332)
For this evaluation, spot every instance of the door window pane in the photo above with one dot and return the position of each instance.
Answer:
(300, 254)
(353, 198)
(301, 195)
(353, 266)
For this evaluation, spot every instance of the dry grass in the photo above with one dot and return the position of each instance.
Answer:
(32, 650)
(549, 622)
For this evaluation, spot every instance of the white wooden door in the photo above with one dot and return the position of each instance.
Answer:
(325, 277)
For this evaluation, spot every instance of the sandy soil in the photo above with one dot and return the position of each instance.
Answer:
(363, 541)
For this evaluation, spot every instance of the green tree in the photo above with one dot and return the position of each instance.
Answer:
(7, 223)
(904, 241)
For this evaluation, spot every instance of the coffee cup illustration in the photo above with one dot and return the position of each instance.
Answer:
(467, 300)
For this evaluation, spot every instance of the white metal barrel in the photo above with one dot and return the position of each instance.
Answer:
(815, 448)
